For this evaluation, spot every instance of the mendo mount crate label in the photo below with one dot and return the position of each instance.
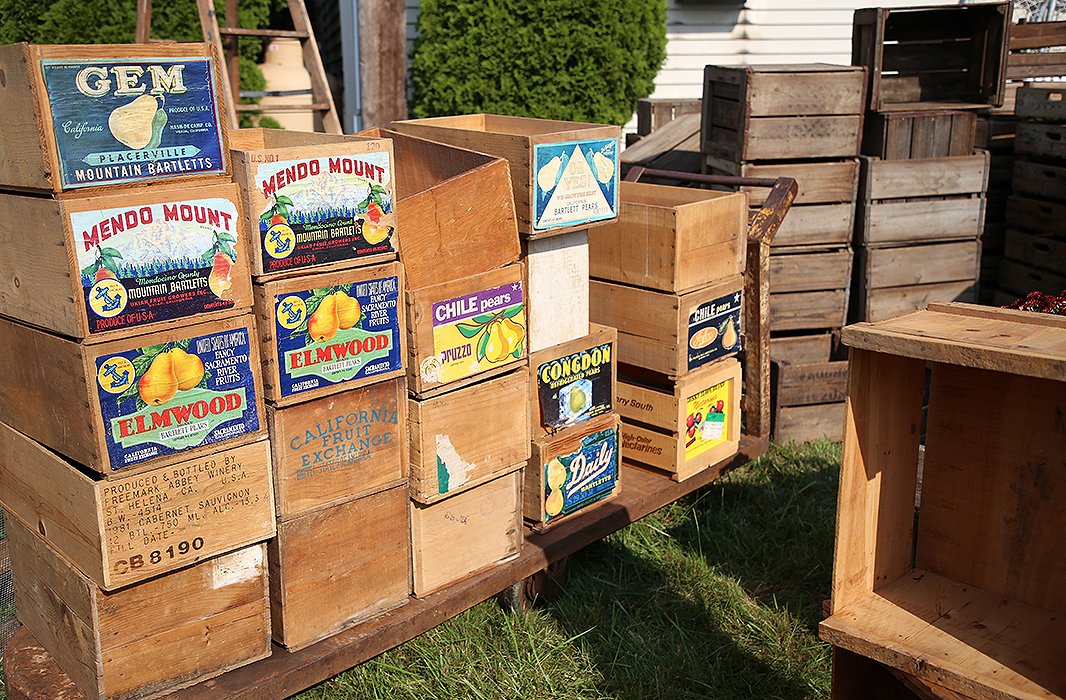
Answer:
(708, 418)
(714, 330)
(126, 120)
(161, 399)
(476, 332)
(155, 262)
(330, 335)
(573, 481)
(325, 210)
(574, 183)
(575, 388)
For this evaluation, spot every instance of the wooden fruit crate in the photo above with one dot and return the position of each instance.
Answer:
(63, 104)
(1035, 215)
(810, 271)
(557, 278)
(1039, 180)
(802, 349)
(1041, 251)
(813, 226)
(1040, 141)
(809, 401)
(330, 450)
(968, 594)
(466, 533)
(922, 134)
(1020, 278)
(1041, 102)
(324, 333)
(554, 192)
(674, 239)
(573, 382)
(107, 266)
(820, 181)
(806, 311)
(335, 566)
(684, 426)
(933, 57)
(856, 677)
(464, 438)
(170, 632)
(123, 406)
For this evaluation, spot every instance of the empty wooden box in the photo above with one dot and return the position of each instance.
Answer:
(573, 382)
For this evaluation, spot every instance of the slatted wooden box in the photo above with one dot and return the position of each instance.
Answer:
(923, 134)
(573, 382)
(966, 595)
(1040, 142)
(1032, 263)
(802, 348)
(1029, 213)
(1034, 180)
(565, 174)
(809, 400)
(1041, 102)
(557, 278)
(895, 280)
(160, 635)
(810, 289)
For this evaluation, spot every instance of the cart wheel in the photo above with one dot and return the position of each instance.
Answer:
(545, 586)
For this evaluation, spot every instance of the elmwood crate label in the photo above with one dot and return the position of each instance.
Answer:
(336, 334)
(125, 120)
(708, 416)
(714, 330)
(575, 388)
(573, 481)
(476, 332)
(155, 262)
(574, 183)
(325, 210)
(161, 399)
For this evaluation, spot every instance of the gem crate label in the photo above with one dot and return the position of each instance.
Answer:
(161, 399)
(575, 183)
(155, 262)
(707, 419)
(133, 119)
(330, 335)
(325, 210)
(573, 481)
(575, 388)
(473, 333)
(714, 330)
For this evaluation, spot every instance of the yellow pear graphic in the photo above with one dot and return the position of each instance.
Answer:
(324, 323)
(132, 124)
(159, 384)
(729, 337)
(188, 369)
(348, 310)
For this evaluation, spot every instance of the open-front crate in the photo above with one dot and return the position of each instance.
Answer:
(969, 594)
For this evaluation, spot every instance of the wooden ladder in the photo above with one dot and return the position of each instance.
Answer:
(225, 38)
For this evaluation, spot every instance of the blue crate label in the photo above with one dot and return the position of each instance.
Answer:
(575, 183)
(573, 481)
(155, 262)
(330, 335)
(575, 388)
(714, 330)
(325, 210)
(127, 120)
(162, 399)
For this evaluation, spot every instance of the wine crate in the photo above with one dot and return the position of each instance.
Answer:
(1035, 215)
(1041, 251)
(557, 278)
(814, 226)
(669, 333)
(131, 404)
(324, 333)
(333, 567)
(315, 202)
(673, 239)
(160, 635)
(107, 266)
(464, 330)
(465, 533)
(916, 135)
(573, 382)
(1038, 180)
(684, 426)
(564, 174)
(463, 438)
(109, 115)
(330, 450)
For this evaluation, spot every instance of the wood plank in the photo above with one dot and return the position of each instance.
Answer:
(808, 310)
(1042, 140)
(383, 59)
(804, 272)
(798, 92)
(1040, 180)
(921, 264)
(802, 349)
(557, 275)
(807, 423)
(815, 383)
(889, 221)
(1037, 35)
(1046, 253)
(819, 183)
(1037, 215)
(924, 177)
(1021, 279)
(1042, 101)
(667, 138)
(824, 225)
(802, 137)
(879, 304)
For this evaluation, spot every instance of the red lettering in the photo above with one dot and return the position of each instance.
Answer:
(162, 419)
(200, 409)
(125, 427)
(233, 402)
(181, 413)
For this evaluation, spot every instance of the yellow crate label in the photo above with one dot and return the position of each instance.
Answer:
(707, 419)
(476, 332)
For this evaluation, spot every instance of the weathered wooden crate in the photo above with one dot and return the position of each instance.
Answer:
(819, 181)
(557, 277)
(1046, 252)
(145, 640)
(933, 57)
(330, 450)
(466, 533)
(110, 266)
(906, 201)
(809, 400)
(923, 134)
(324, 333)
(777, 112)
(816, 226)
(565, 174)
(463, 438)
(571, 470)
(968, 594)
(1036, 215)
(336, 566)
(573, 382)
(669, 333)
(131, 404)
(810, 271)
(1038, 181)
(684, 426)
(808, 311)
(1041, 101)
(879, 304)
(465, 330)
(1020, 278)
(674, 239)
(62, 107)
(802, 349)
(1040, 141)
(656, 113)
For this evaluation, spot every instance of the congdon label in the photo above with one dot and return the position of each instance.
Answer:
(575, 388)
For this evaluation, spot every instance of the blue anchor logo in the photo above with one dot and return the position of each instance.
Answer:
(118, 379)
(294, 315)
(110, 302)
(279, 247)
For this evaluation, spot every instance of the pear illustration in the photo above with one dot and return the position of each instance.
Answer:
(497, 348)
(374, 233)
(556, 473)
(549, 173)
(604, 167)
(513, 333)
(577, 400)
(159, 383)
(140, 123)
(188, 369)
(219, 280)
(554, 505)
(729, 336)
(348, 310)
(324, 323)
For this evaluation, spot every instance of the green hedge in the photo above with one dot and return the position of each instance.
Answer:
(583, 60)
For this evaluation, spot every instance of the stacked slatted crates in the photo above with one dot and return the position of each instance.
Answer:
(803, 122)
(995, 134)
(134, 473)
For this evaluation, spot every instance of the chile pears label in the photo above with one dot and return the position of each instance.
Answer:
(575, 388)
(126, 120)
(574, 183)
(577, 479)
(714, 330)
(161, 399)
(336, 334)
(155, 262)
